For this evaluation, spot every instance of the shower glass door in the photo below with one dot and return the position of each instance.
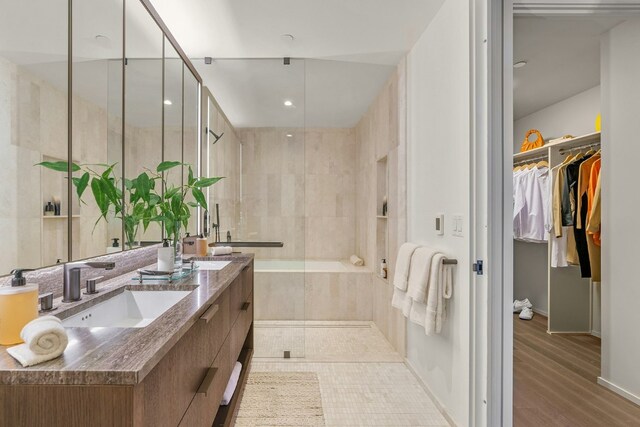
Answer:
(258, 106)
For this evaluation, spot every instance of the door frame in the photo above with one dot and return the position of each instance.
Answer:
(499, 263)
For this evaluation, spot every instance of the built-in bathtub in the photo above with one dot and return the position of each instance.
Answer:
(312, 290)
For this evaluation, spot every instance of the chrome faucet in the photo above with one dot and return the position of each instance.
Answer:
(71, 286)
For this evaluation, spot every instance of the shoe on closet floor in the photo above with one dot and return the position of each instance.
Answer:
(518, 305)
(526, 314)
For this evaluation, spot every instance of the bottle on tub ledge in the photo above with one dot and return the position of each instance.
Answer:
(383, 268)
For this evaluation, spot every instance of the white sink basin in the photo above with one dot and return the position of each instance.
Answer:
(129, 309)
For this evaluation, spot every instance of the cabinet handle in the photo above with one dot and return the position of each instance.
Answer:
(211, 311)
(245, 306)
(207, 381)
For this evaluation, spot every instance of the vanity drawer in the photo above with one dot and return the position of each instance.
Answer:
(215, 322)
(171, 385)
(235, 299)
(241, 328)
(206, 402)
(247, 281)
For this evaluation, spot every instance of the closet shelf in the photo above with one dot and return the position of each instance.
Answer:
(571, 143)
(59, 216)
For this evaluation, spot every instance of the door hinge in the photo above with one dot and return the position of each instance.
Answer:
(478, 267)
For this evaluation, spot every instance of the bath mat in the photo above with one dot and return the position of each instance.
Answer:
(281, 399)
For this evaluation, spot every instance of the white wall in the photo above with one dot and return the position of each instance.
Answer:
(575, 116)
(438, 92)
(620, 150)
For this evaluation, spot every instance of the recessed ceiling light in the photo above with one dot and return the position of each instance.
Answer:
(168, 102)
(289, 135)
(288, 103)
(520, 64)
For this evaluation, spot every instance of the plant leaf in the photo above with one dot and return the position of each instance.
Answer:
(82, 184)
(191, 180)
(59, 166)
(199, 196)
(207, 182)
(167, 165)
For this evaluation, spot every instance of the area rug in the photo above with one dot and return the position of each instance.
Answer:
(281, 399)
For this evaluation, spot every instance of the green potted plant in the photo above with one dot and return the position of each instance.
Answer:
(144, 203)
(173, 211)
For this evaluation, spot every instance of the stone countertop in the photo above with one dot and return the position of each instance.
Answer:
(123, 356)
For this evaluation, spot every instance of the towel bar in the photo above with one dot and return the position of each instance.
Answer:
(449, 261)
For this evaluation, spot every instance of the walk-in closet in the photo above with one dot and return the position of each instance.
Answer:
(570, 147)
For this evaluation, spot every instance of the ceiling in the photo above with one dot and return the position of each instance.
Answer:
(563, 59)
(358, 42)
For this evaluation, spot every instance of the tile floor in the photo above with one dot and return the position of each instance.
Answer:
(363, 381)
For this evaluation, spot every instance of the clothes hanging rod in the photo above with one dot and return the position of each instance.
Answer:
(579, 147)
(450, 261)
(531, 160)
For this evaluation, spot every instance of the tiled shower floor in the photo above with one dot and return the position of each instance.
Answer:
(363, 381)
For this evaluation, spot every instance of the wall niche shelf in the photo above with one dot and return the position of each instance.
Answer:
(382, 225)
(59, 216)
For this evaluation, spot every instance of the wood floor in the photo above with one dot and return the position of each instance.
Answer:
(555, 381)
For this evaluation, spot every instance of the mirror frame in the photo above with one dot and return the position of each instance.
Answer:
(167, 36)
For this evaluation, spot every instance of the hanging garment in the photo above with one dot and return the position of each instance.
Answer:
(594, 181)
(583, 197)
(593, 226)
(558, 244)
(531, 204)
(562, 233)
(572, 176)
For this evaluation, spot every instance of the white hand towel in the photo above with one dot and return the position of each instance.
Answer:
(419, 273)
(440, 290)
(232, 384)
(221, 250)
(356, 260)
(418, 283)
(45, 339)
(403, 263)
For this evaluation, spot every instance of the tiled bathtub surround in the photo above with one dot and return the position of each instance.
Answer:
(49, 279)
(299, 190)
(281, 295)
(382, 132)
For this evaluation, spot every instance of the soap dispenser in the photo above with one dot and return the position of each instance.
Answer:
(166, 256)
(18, 306)
(201, 245)
(115, 246)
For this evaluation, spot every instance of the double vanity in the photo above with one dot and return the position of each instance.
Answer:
(141, 354)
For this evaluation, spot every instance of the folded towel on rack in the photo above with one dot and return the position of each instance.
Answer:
(232, 384)
(426, 276)
(356, 260)
(419, 273)
(440, 290)
(403, 264)
(221, 250)
(44, 339)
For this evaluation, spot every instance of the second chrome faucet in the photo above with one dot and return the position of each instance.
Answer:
(71, 286)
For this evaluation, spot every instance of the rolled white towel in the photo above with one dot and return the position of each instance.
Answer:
(45, 339)
(232, 384)
(356, 260)
(221, 250)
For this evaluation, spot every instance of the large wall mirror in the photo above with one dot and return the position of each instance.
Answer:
(109, 91)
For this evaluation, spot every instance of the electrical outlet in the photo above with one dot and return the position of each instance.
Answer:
(458, 222)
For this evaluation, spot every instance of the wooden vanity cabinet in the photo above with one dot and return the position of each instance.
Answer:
(185, 388)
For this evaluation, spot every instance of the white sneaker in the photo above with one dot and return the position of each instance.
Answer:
(518, 305)
(526, 314)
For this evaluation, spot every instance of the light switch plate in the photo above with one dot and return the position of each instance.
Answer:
(439, 223)
(457, 225)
